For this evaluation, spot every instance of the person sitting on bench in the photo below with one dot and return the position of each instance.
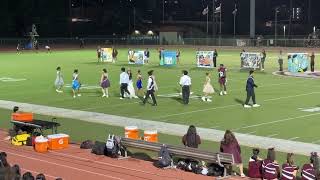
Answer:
(191, 139)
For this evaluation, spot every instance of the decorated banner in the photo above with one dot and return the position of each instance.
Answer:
(204, 59)
(298, 62)
(106, 54)
(136, 57)
(168, 58)
(250, 60)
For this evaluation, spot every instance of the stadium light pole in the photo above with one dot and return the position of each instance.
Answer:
(162, 11)
(276, 10)
(220, 19)
(234, 12)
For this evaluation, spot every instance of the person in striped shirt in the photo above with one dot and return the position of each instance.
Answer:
(289, 169)
(310, 171)
(270, 167)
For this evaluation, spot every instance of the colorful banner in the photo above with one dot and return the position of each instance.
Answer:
(298, 62)
(137, 58)
(106, 54)
(250, 60)
(168, 58)
(204, 59)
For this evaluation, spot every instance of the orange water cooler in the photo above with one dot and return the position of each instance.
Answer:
(131, 132)
(58, 141)
(41, 144)
(151, 136)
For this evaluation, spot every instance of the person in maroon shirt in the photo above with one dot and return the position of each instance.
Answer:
(191, 139)
(289, 170)
(270, 167)
(310, 171)
(229, 144)
(222, 73)
(254, 167)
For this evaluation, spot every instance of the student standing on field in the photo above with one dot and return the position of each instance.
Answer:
(59, 81)
(150, 89)
(207, 89)
(105, 83)
(280, 61)
(146, 55)
(312, 61)
(185, 83)
(76, 83)
(215, 56)
(114, 54)
(99, 51)
(250, 91)
(178, 56)
(139, 84)
(263, 59)
(222, 73)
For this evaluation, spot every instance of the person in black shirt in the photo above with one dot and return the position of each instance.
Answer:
(250, 91)
(312, 61)
(215, 55)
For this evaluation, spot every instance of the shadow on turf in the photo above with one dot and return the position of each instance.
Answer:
(239, 101)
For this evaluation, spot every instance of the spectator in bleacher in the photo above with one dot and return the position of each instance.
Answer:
(4, 166)
(254, 167)
(310, 171)
(229, 144)
(27, 176)
(40, 177)
(270, 167)
(191, 139)
(289, 169)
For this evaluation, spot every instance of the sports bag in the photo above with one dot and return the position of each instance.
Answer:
(112, 146)
(88, 144)
(98, 148)
(20, 140)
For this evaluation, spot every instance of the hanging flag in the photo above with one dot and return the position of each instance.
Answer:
(205, 11)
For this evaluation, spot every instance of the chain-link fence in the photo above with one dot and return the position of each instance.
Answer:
(154, 40)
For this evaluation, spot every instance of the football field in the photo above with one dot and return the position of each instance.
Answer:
(290, 107)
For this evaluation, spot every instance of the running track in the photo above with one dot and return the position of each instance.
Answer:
(78, 164)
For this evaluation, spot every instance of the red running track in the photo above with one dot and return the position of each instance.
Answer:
(74, 163)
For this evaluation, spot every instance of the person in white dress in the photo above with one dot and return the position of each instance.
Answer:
(130, 87)
(59, 81)
(207, 89)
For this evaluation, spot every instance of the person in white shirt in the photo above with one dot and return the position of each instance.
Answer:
(124, 80)
(185, 83)
(150, 89)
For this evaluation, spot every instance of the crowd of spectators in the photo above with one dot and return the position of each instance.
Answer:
(259, 168)
(8, 172)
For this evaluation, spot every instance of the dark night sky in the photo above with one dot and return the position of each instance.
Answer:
(53, 18)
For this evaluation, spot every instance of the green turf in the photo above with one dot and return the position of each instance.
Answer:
(280, 97)
(81, 131)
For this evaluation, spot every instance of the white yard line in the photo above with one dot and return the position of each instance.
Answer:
(293, 138)
(232, 105)
(169, 128)
(276, 121)
(272, 135)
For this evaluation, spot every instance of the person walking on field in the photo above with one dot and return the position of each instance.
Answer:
(222, 73)
(263, 58)
(185, 83)
(150, 89)
(280, 61)
(250, 91)
(114, 54)
(105, 83)
(312, 61)
(124, 81)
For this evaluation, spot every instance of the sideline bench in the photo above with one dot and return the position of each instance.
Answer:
(221, 159)
(36, 125)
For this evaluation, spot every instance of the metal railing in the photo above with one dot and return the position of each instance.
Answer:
(236, 42)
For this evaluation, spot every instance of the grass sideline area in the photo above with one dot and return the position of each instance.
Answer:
(281, 98)
(80, 131)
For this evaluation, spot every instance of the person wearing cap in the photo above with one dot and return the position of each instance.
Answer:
(250, 91)
(185, 83)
